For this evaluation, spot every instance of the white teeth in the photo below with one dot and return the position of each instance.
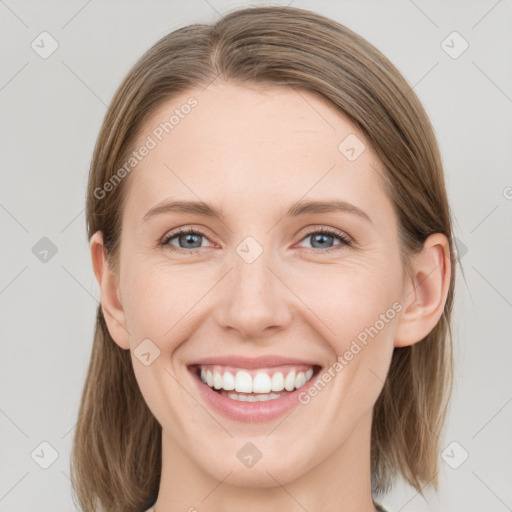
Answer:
(278, 381)
(289, 382)
(300, 380)
(228, 381)
(261, 383)
(217, 380)
(253, 398)
(242, 382)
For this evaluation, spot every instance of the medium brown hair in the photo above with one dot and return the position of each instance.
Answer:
(116, 457)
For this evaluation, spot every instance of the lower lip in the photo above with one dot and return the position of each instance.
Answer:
(248, 412)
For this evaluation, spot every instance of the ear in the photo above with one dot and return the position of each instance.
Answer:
(425, 294)
(110, 298)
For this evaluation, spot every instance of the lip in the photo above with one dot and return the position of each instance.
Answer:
(249, 412)
(252, 363)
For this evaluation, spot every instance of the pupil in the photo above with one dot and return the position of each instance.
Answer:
(190, 238)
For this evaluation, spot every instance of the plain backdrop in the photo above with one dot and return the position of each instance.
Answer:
(52, 107)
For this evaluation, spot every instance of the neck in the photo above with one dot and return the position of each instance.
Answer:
(342, 481)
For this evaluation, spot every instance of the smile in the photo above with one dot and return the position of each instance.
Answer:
(248, 393)
(263, 384)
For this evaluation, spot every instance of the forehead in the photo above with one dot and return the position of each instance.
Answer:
(254, 145)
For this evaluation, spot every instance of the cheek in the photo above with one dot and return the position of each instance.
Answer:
(357, 309)
(158, 297)
(350, 298)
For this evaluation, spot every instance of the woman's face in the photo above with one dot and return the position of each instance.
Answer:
(256, 290)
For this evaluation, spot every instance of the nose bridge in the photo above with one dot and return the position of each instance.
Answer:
(251, 277)
(255, 297)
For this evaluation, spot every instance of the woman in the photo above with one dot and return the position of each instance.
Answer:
(271, 235)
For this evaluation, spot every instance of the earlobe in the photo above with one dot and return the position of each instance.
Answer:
(111, 305)
(425, 298)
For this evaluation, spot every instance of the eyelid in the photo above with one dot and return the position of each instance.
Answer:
(196, 228)
(330, 231)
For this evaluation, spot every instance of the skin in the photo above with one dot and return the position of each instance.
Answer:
(252, 152)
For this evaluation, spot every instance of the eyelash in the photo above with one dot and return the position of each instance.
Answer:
(345, 241)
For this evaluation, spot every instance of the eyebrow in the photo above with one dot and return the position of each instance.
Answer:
(295, 210)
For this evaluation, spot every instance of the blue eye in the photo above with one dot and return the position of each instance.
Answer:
(324, 236)
(189, 237)
(190, 240)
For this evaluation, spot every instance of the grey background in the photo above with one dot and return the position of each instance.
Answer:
(51, 112)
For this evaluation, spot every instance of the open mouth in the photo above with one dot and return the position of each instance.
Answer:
(254, 385)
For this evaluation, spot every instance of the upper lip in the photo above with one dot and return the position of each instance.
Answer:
(267, 361)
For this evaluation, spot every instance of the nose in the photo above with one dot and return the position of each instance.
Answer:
(255, 302)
